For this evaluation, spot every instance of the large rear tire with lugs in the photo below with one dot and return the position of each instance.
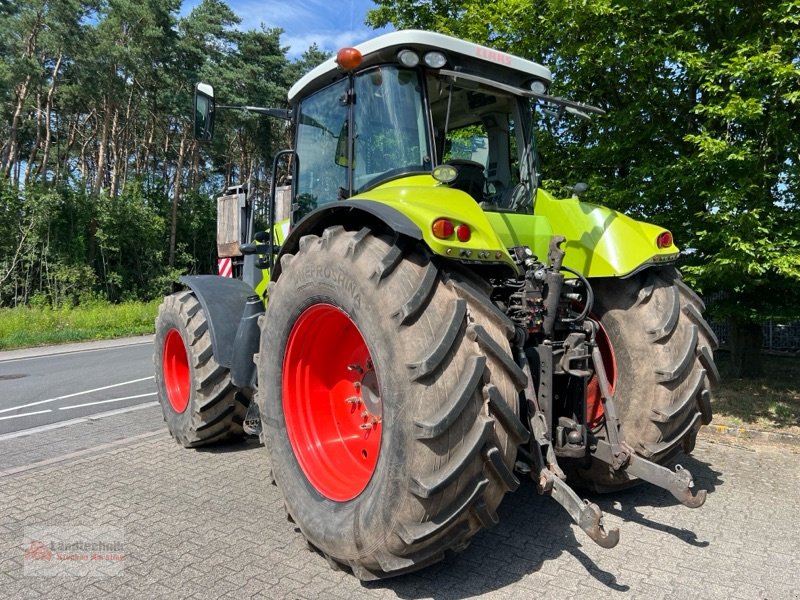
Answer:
(658, 353)
(389, 401)
(200, 404)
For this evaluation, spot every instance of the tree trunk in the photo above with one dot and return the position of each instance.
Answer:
(9, 153)
(176, 196)
(37, 143)
(103, 147)
(746, 339)
(48, 124)
(114, 143)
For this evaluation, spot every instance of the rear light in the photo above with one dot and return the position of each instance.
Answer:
(442, 228)
(463, 233)
(664, 239)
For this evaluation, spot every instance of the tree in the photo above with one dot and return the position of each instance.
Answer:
(101, 183)
(702, 135)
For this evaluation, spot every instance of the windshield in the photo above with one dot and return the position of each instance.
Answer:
(485, 133)
(321, 123)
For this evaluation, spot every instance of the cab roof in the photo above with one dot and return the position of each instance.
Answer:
(461, 54)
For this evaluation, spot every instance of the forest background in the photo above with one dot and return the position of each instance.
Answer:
(105, 196)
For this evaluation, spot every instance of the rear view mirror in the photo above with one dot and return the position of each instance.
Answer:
(204, 109)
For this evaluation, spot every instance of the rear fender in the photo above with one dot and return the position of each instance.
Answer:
(423, 200)
(602, 242)
(352, 213)
(408, 207)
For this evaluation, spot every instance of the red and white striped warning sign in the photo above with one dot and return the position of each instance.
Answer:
(225, 267)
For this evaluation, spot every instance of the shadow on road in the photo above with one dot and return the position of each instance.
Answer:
(238, 445)
(534, 530)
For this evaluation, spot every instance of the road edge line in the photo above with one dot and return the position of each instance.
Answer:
(49, 427)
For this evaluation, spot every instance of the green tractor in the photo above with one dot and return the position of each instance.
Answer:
(419, 324)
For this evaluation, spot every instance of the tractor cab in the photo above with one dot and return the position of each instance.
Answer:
(418, 103)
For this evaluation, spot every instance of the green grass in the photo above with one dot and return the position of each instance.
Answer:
(770, 403)
(26, 327)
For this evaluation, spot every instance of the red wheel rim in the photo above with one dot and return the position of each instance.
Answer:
(176, 371)
(331, 402)
(594, 400)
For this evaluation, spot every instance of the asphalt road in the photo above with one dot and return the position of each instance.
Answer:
(208, 523)
(42, 387)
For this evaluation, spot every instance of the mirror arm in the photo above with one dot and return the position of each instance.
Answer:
(278, 113)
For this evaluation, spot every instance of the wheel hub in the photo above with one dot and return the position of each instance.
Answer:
(370, 394)
(175, 365)
(594, 400)
(331, 402)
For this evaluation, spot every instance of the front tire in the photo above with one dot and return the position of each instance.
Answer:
(389, 400)
(200, 404)
(658, 351)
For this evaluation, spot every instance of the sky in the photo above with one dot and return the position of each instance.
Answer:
(331, 24)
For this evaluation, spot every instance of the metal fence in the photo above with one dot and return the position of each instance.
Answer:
(778, 336)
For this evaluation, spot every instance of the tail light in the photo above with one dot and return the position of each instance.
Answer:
(442, 228)
(664, 239)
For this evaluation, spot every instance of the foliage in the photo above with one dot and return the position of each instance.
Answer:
(103, 191)
(703, 127)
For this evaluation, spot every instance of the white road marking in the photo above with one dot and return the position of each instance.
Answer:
(106, 401)
(60, 424)
(100, 389)
(38, 412)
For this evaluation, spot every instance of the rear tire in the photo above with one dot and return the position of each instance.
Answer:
(200, 404)
(436, 353)
(663, 368)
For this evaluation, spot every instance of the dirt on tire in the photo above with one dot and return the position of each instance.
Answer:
(216, 409)
(664, 368)
(449, 389)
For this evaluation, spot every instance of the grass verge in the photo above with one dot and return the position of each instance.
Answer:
(770, 403)
(27, 327)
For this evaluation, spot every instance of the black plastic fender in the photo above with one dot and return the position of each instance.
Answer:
(232, 308)
(350, 213)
